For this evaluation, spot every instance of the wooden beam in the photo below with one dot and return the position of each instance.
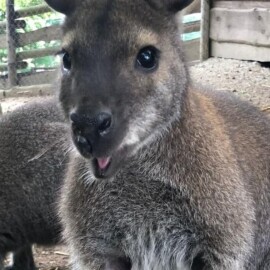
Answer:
(253, 30)
(3, 41)
(34, 10)
(240, 51)
(192, 27)
(37, 53)
(19, 24)
(45, 34)
(29, 91)
(241, 4)
(192, 50)
(25, 12)
(205, 24)
(11, 43)
(38, 78)
(19, 65)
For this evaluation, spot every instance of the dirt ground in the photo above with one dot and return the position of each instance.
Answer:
(249, 80)
(51, 258)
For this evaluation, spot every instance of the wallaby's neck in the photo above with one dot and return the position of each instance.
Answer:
(172, 144)
(188, 144)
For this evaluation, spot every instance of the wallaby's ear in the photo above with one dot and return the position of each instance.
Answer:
(171, 6)
(64, 6)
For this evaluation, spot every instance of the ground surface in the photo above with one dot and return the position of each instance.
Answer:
(246, 79)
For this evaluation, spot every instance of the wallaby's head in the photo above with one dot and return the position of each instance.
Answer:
(123, 75)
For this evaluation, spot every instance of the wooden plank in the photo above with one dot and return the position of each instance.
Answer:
(192, 27)
(29, 91)
(37, 53)
(19, 65)
(37, 78)
(205, 24)
(241, 4)
(44, 34)
(240, 51)
(11, 43)
(3, 41)
(192, 50)
(240, 0)
(253, 30)
(34, 10)
(18, 24)
(3, 82)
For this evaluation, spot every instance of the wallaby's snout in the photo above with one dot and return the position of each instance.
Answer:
(94, 137)
(88, 132)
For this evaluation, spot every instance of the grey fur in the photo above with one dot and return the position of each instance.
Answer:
(189, 182)
(32, 139)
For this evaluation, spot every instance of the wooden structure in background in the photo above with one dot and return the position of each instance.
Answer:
(11, 43)
(12, 40)
(240, 29)
(191, 47)
(204, 42)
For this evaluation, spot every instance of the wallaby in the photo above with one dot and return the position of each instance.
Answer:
(167, 175)
(32, 162)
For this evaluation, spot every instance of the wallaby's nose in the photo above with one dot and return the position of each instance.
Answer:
(87, 131)
(103, 122)
(100, 124)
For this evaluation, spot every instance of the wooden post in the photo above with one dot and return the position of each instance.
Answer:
(205, 25)
(11, 43)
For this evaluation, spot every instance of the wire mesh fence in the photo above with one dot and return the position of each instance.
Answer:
(29, 37)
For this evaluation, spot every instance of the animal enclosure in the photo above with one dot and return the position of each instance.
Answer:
(27, 53)
(240, 29)
(29, 38)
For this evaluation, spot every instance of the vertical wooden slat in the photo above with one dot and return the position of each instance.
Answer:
(205, 23)
(11, 43)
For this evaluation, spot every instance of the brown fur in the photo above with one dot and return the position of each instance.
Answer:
(188, 186)
(32, 164)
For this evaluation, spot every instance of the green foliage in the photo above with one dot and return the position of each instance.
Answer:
(2, 14)
(21, 4)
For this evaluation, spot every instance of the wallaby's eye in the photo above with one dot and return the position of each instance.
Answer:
(66, 61)
(147, 58)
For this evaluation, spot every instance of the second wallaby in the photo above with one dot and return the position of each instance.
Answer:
(168, 176)
(32, 162)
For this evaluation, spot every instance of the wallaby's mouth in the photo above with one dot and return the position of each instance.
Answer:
(107, 167)
(101, 166)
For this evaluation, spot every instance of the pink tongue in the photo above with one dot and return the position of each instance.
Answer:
(103, 162)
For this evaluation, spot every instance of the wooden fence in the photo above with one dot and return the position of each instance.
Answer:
(240, 29)
(16, 60)
(11, 40)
